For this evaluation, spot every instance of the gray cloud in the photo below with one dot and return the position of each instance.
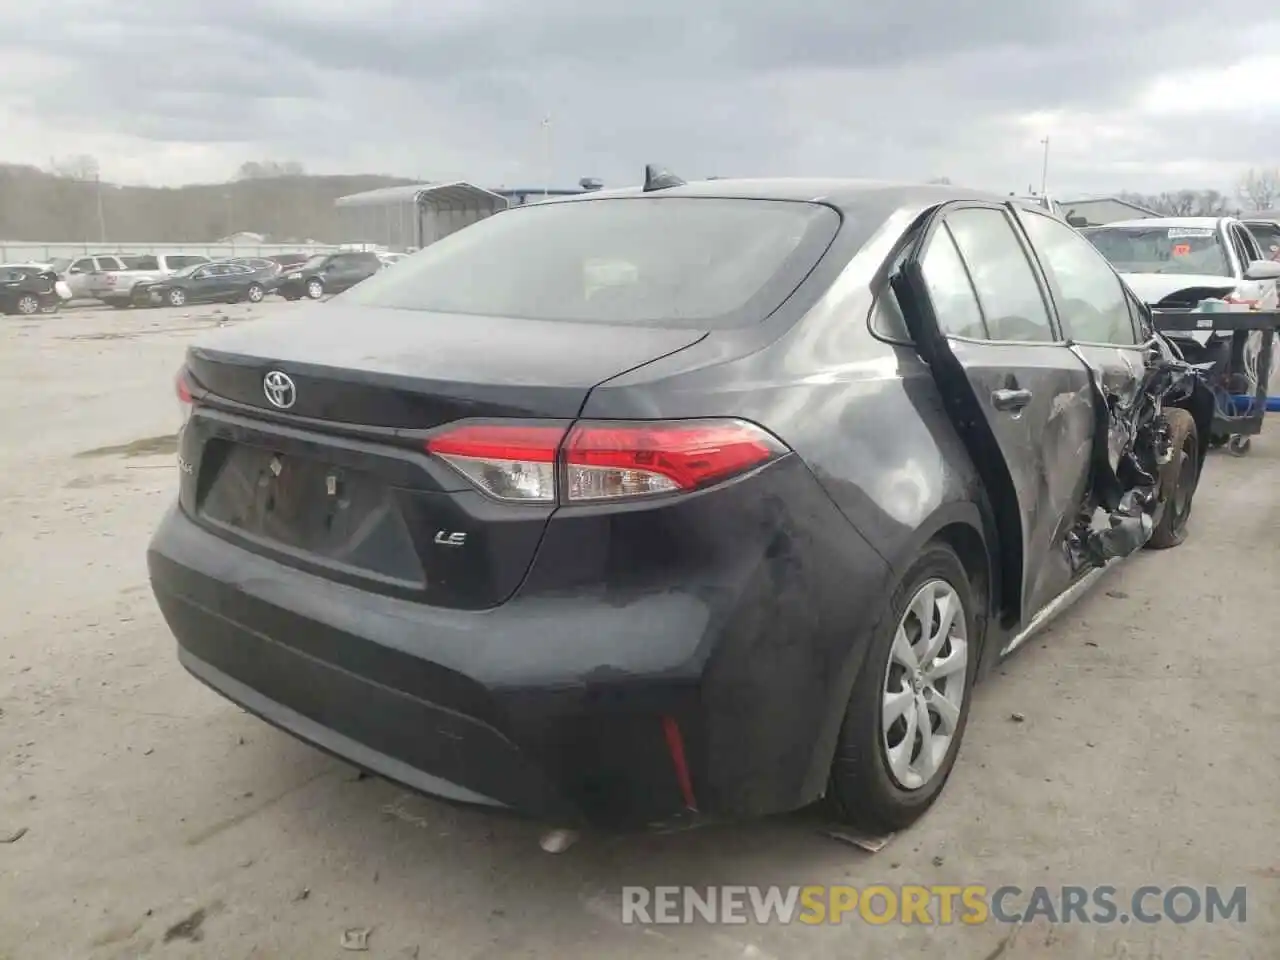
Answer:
(458, 87)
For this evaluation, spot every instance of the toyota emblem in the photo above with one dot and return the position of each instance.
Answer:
(280, 389)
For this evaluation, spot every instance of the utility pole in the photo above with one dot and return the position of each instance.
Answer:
(1044, 170)
(102, 219)
(546, 133)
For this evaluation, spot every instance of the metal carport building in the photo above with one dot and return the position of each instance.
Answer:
(412, 216)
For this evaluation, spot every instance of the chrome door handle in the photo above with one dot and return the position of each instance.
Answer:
(1011, 400)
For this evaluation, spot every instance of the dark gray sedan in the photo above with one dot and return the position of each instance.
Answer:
(226, 282)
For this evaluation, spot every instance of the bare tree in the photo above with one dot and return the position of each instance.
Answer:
(1259, 189)
(82, 167)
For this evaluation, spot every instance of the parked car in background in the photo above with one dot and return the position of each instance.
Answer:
(123, 288)
(718, 501)
(390, 259)
(328, 273)
(79, 272)
(1179, 261)
(60, 286)
(226, 282)
(1267, 233)
(28, 289)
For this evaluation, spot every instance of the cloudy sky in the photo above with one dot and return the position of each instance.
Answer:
(1186, 94)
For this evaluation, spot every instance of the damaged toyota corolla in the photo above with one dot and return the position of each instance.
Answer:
(688, 502)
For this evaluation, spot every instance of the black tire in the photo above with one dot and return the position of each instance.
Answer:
(1178, 480)
(862, 790)
(315, 288)
(51, 308)
(120, 304)
(27, 305)
(291, 297)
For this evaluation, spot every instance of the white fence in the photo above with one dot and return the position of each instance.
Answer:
(17, 251)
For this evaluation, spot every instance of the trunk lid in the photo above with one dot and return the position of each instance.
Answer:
(338, 481)
(410, 370)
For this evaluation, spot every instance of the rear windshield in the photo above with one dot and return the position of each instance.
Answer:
(670, 261)
(1163, 249)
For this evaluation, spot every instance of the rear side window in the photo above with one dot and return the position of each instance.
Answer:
(667, 261)
(1091, 300)
(950, 292)
(1008, 292)
(141, 263)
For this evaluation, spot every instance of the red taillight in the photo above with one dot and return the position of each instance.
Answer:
(182, 387)
(603, 460)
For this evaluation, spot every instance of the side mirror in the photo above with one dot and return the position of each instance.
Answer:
(1262, 270)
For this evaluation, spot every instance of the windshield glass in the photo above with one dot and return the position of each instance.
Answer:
(188, 271)
(673, 261)
(312, 262)
(1163, 249)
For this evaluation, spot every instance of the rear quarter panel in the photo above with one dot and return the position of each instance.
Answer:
(866, 419)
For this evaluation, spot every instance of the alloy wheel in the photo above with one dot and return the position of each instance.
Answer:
(924, 685)
(28, 305)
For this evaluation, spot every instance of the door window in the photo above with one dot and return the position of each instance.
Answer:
(1008, 292)
(81, 266)
(1268, 237)
(1239, 249)
(1091, 300)
(1249, 250)
(950, 292)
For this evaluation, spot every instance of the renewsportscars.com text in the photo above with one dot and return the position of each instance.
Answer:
(935, 904)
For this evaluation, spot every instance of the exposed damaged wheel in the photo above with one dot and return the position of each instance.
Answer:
(905, 719)
(1178, 479)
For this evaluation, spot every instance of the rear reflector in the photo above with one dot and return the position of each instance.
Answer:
(599, 461)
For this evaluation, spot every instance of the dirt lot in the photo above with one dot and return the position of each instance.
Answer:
(163, 822)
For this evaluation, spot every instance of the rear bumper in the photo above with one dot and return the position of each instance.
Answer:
(561, 705)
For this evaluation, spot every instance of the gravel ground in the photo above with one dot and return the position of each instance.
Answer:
(162, 821)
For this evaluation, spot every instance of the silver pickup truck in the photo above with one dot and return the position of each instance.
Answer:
(121, 288)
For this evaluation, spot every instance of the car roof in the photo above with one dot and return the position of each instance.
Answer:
(836, 192)
(1207, 222)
